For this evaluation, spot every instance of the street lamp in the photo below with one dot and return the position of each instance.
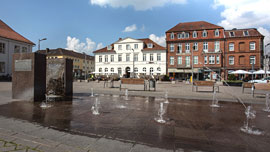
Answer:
(39, 40)
(84, 65)
(133, 64)
(265, 59)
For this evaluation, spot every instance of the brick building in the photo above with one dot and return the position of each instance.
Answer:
(209, 46)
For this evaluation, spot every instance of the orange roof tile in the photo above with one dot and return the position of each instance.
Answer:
(240, 33)
(9, 33)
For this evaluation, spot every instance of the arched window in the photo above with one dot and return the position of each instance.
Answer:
(144, 70)
(172, 35)
(112, 70)
(183, 34)
(216, 32)
(119, 71)
(151, 71)
(204, 34)
(194, 35)
(106, 70)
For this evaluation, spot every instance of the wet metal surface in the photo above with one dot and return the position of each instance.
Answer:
(192, 125)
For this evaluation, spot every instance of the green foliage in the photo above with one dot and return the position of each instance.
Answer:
(231, 77)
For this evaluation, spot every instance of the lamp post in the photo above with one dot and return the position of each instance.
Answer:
(133, 75)
(39, 40)
(84, 65)
(192, 58)
(265, 59)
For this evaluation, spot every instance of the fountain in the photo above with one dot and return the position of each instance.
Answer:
(215, 100)
(95, 107)
(267, 108)
(161, 112)
(250, 114)
(166, 97)
(92, 93)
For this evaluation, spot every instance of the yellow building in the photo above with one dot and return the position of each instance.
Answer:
(81, 62)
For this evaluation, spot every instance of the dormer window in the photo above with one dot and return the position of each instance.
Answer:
(109, 47)
(232, 34)
(183, 34)
(246, 33)
(194, 34)
(204, 34)
(187, 35)
(150, 45)
(179, 36)
(172, 35)
(216, 33)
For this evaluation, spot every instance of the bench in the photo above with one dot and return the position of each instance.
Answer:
(261, 86)
(133, 81)
(204, 84)
(246, 85)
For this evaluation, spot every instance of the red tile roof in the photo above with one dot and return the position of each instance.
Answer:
(252, 32)
(145, 41)
(192, 26)
(60, 52)
(9, 33)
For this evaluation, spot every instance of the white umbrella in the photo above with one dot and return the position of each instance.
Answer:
(261, 72)
(240, 72)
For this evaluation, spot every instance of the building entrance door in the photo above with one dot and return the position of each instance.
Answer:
(127, 72)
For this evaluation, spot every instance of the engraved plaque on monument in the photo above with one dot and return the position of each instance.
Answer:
(29, 76)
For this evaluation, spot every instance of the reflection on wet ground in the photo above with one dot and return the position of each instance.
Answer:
(192, 125)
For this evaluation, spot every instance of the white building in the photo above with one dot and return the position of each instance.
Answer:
(146, 56)
(11, 42)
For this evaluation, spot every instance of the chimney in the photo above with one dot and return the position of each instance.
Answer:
(120, 38)
(47, 50)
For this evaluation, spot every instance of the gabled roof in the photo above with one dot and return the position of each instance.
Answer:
(60, 52)
(252, 32)
(193, 26)
(145, 41)
(9, 33)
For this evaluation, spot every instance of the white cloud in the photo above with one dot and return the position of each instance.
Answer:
(159, 40)
(246, 14)
(130, 28)
(74, 44)
(137, 4)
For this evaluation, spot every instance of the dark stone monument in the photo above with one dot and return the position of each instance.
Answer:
(59, 79)
(29, 76)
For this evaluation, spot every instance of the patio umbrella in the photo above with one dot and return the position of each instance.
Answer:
(240, 72)
(261, 72)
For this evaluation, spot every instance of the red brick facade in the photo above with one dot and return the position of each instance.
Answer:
(212, 52)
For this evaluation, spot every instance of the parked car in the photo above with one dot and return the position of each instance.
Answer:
(263, 80)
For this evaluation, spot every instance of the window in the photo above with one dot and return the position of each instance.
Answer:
(100, 70)
(158, 69)
(194, 35)
(106, 70)
(218, 59)
(158, 57)
(231, 46)
(144, 70)
(24, 49)
(2, 48)
(100, 58)
(172, 47)
(187, 47)
(204, 34)
(205, 59)
(127, 57)
(151, 57)
(195, 59)
(252, 45)
(205, 46)
(112, 70)
(136, 46)
(135, 57)
(112, 58)
(2, 67)
(109, 47)
(150, 45)
(183, 34)
(231, 60)
(144, 57)
(135, 70)
(119, 71)
(245, 33)
(187, 61)
(127, 47)
(171, 60)
(195, 46)
(232, 34)
(216, 33)
(151, 71)
(211, 59)
(16, 49)
(119, 57)
(106, 58)
(187, 35)
(179, 60)
(172, 35)
(252, 59)
(119, 47)
(179, 48)
(217, 46)
(179, 36)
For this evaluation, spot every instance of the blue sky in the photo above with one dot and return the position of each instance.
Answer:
(86, 25)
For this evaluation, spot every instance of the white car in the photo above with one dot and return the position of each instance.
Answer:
(263, 80)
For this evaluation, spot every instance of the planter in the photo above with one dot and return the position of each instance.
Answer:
(238, 84)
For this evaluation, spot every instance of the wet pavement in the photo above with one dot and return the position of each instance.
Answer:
(191, 124)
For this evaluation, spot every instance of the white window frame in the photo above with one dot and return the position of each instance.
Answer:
(112, 70)
(144, 57)
(194, 34)
(128, 47)
(195, 59)
(171, 60)
(252, 59)
(179, 48)
(99, 58)
(232, 34)
(187, 46)
(136, 57)
(205, 46)
(187, 35)
(128, 57)
(172, 36)
(158, 56)
(120, 58)
(151, 71)
(195, 45)
(231, 60)
(187, 61)
(179, 60)
(204, 34)
(119, 47)
(106, 58)
(112, 58)
(206, 59)
(252, 46)
(136, 46)
(245, 33)
(179, 36)
(218, 59)
(183, 34)
(172, 47)
(217, 46)
(151, 57)
(231, 46)
(149, 45)
(211, 59)
(216, 33)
